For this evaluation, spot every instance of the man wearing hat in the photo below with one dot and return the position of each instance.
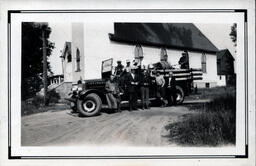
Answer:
(128, 66)
(132, 82)
(119, 68)
(184, 62)
(111, 89)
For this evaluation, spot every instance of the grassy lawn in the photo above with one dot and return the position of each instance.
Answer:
(211, 93)
(214, 122)
(28, 109)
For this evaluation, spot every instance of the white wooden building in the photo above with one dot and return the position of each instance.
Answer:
(93, 43)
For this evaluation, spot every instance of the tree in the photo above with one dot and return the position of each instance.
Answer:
(32, 57)
(233, 33)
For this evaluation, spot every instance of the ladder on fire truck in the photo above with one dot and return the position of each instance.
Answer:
(183, 74)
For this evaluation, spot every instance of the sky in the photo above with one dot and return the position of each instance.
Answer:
(218, 34)
(61, 32)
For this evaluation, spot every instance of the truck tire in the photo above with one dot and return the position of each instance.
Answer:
(90, 105)
(180, 95)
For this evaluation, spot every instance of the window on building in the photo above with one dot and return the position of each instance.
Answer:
(163, 55)
(69, 58)
(138, 52)
(77, 60)
(203, 62)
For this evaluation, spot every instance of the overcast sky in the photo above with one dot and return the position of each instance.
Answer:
(218, 34)
(61, 32)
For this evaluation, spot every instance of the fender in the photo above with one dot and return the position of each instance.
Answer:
(84, 93)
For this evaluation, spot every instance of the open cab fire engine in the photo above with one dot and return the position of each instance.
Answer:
(88, 97)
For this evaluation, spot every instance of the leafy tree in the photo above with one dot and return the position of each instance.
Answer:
(32, 57)
(233, 33)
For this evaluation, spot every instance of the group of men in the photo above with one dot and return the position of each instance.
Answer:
(131, 80)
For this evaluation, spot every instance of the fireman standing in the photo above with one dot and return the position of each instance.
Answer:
(113, 94)
(132, 82)
(128, 66)
(111, 90)
(144, 88)
(173, 91)
(160, 83)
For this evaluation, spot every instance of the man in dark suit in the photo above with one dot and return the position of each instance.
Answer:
(132, 82)
(173, 88)
(145, 82)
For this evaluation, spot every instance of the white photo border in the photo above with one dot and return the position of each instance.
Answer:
(244, 11)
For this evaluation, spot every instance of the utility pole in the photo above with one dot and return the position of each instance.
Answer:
(44, 67)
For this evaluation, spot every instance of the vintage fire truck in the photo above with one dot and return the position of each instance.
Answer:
(88, 97)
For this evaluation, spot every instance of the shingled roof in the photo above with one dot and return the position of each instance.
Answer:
(225, 52)
(183, 36)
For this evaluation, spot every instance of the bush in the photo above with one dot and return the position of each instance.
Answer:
(36, 104)
(38, 101)
(53, 97)
(213, 125)
(27, 109)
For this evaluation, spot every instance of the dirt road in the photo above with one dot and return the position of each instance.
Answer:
(143, 127)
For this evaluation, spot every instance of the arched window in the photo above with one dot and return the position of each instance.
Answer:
(203, 62)
(77, 59)
(138, 52)
(163, 55)
(69, 57)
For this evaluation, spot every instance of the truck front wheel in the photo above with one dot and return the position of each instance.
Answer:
(90, 105)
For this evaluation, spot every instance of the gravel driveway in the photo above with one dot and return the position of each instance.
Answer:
(137, 128)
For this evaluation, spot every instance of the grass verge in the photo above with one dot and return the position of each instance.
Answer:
(36, 104)
(211, 93)
(214, 124)
(28, 109)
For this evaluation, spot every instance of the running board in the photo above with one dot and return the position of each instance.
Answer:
(105, 106)
(126, 102)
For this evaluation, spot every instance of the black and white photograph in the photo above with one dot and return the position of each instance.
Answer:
(135, 84)
(129, 84)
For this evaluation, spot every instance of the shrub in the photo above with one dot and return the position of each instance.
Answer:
(213, 125)
(53, 97)
(38, 101)
(27, 109)
(36, 104)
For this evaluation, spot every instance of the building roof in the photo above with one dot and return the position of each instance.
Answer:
(66, 49)
(184, 36)
(224, 52)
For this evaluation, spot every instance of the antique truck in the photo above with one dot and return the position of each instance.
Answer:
(88, 97)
